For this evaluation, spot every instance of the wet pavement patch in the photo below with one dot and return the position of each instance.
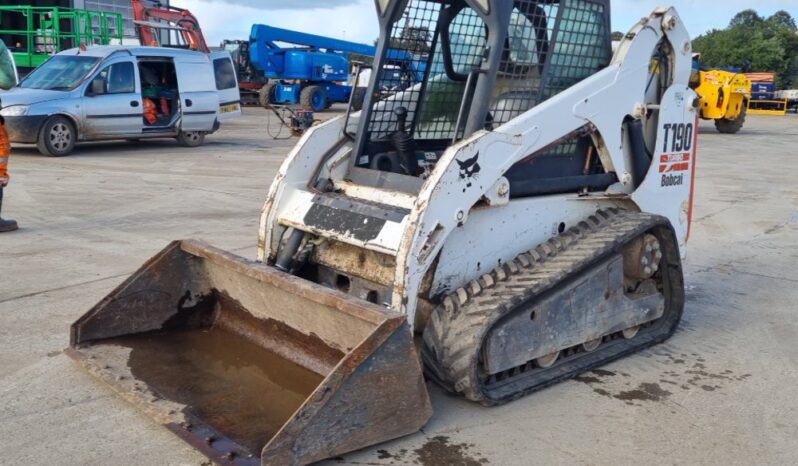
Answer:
(683, 371)
(644, 392)
(438, 451)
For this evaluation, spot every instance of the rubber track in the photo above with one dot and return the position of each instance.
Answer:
(453, 338)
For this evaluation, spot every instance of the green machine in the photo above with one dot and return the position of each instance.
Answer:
(33, 34)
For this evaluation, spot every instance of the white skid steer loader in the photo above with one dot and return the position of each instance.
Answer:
(513, 192)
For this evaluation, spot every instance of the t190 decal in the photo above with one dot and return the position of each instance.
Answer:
(676, 157)
(678, 137)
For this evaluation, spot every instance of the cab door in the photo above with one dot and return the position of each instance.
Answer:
(199, 101)
(112, 104)
(226, 84)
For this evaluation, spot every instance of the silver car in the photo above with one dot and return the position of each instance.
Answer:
(119, 92)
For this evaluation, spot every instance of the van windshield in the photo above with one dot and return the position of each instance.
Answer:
(60, 73)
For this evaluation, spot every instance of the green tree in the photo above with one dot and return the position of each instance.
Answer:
(746, 18)
(783, 19)
(770, 44)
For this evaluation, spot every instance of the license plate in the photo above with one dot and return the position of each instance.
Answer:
(230, 108)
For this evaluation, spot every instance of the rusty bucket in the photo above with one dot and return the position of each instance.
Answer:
(251, 365)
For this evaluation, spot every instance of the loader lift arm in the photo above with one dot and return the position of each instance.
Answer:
(150, 16)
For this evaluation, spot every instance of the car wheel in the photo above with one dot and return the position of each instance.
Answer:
(57, 137)
(191, 138)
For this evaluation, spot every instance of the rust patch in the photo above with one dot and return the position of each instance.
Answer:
(351, 260)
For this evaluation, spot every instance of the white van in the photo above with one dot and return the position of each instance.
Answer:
(120, 92)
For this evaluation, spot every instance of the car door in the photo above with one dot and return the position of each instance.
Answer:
(112, 102)
(199, 101)
(226, 84)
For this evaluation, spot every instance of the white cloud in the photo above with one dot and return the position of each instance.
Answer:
(700, 16)
(356, 20)
(287, 5)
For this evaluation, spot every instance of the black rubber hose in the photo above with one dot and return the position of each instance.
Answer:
(641, 159)
(285, 257)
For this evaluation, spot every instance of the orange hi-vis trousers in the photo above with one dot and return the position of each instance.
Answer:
(5, 151)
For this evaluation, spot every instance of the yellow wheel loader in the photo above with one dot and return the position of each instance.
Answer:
(724, 98)
(518, 197)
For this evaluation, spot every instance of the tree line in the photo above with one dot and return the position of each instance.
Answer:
(767, 44)
(752, 41)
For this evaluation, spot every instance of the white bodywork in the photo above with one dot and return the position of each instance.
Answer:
(451, 219)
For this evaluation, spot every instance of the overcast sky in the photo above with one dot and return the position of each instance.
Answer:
(356, 19)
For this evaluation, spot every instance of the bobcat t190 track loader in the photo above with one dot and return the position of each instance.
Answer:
(522, 205)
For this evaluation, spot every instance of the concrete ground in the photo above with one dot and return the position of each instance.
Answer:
(723, 391)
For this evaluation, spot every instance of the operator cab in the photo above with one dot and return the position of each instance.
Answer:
(449, 68)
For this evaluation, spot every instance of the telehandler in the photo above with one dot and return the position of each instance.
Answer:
(522, 207)
(724, 95)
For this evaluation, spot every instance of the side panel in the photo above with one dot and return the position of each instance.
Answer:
(287, 93)
(337, 92)
(668, 187)
(496, 235)
(227, 85)
(199, 100)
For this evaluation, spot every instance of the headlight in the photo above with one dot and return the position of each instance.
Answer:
(15, 110)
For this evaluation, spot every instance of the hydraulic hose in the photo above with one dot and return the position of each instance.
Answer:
(641, 159)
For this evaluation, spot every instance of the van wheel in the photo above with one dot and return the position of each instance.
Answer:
(57, 137)
(313, 98)
(191, 138)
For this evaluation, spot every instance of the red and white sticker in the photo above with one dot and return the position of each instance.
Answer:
(669, 163)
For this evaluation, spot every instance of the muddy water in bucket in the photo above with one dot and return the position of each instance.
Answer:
(242, 389)
(251, 365)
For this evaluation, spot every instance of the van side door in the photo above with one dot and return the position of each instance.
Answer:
(226, 84)
(199, 101)
(111, 102)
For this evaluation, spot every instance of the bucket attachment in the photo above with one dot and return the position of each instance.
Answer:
(252, 365)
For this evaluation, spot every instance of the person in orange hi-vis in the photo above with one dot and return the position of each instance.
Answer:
(5, 152)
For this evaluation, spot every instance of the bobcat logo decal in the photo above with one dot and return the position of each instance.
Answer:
(469, 169)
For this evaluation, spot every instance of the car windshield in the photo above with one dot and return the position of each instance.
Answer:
(60, 73)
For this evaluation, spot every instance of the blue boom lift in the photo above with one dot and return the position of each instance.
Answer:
(313, 72)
